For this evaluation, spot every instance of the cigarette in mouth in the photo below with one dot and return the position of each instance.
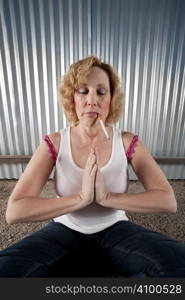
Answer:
(104, 129)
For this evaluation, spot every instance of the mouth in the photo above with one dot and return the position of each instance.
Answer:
(91, 113)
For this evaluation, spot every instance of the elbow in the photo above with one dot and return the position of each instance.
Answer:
(173, 208)
(10, 216)
(171, 203)
(9, 219)
(168, 201)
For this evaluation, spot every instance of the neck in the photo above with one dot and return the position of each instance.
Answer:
(90, 133)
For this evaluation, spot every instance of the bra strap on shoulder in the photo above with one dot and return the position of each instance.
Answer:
(51, 148)
(131, 147)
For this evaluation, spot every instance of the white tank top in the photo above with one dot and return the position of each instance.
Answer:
(68, 181)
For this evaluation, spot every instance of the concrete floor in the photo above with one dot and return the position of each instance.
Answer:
(170, 224)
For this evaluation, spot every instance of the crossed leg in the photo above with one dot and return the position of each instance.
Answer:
(140, 252)
(35, 254)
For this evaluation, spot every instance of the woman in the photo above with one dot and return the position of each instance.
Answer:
(91, 159)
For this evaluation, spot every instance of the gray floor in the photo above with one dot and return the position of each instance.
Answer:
(170, 224)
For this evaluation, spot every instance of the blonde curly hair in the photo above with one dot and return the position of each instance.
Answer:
(71, 80)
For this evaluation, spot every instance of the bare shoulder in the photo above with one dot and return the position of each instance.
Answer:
(37, 171)
(144, 165)
(55, 138)
(127, 138)
(140, 149)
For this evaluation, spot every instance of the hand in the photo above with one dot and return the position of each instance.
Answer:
(101, 192)
(88, 180)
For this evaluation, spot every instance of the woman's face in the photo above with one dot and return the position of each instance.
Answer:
(92, 97)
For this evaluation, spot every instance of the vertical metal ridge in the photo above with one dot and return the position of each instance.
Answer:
(128, 68)
(154, 74)
(71, 28)
(18, 74)
(28, 93)
(168, 82)
(62, 55)
(175, 102)
(53, 66)
(7, 95)
(80, 26)
(4, 109)
(35, 79)
(42, 7)
(144, 92)
(136, 72)
(89, 20)
(162, 61)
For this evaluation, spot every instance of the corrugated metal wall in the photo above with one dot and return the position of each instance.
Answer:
(143, 39)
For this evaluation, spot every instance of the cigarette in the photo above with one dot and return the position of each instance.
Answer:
(104, 129)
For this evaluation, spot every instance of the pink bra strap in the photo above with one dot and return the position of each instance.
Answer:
(131, 147)
(51, 148)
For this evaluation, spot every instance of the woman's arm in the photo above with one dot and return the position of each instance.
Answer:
(25, 205)
(33, 209)
(154, 201)
(159, 195)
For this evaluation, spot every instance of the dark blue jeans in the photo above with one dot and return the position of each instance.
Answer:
(132, 249)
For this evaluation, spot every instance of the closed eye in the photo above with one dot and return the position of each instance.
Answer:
(82, 91)
(101, 91)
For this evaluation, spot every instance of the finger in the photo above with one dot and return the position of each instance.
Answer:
(97, 155)
(98, 173)
(94, 169)
(91, 162)
(90, 159)
(91, 166)
(91, 153)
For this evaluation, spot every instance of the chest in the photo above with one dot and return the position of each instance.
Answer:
(81, 152)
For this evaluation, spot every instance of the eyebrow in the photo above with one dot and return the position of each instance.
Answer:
(98, 85)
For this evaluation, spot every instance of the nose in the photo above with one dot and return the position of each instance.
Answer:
(92, 100)
(91, 104)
